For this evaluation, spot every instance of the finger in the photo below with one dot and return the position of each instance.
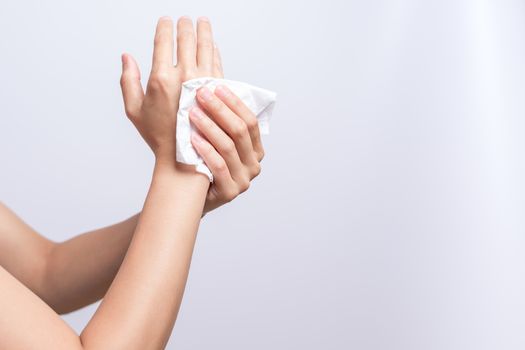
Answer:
(204, 45)
(238, 107)
(234, 126)
(163, 44)
(221, 175)
(186, 49)
(131, 88)
(221, 142)
(217, 62)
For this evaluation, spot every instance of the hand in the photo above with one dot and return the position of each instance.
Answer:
(231, 146)
(154, 113)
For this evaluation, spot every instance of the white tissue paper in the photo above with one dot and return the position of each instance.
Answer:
(259, 101)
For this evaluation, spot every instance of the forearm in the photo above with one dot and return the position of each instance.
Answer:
(65, 275)
(140, 307)
(80, 270)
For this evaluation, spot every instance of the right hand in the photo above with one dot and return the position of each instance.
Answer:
(231, 144)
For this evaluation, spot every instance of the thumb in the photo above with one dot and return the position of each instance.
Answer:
(131, 88)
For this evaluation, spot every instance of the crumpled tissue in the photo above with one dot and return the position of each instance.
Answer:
(260, 101)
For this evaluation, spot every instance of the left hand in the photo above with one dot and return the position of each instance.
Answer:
(231, 147)
(154, 113)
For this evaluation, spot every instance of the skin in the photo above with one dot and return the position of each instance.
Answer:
(140, 266)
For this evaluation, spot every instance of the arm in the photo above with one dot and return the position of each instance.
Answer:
(65, 275)
(79, 271)
(140, 307)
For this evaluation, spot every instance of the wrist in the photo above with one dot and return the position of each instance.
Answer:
(180, 173)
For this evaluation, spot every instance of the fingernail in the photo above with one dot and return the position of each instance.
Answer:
(124, 60)
(222, 90)
(205, 94)
(203, 19)
(197, 113)
(165, 18)
(185, 17)
(196, 138)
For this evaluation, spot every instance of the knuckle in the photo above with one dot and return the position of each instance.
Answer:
(123, 80)
(200, 118)
(256, 170)
(205, 44)
(220, 166)
(252, 123)
(159, 81)
(161, 77)
(130, 113)
(188, 73)
(159, 39)
(239, 129)
(228, 147)
(206, 123)
(231, 194)
(261, 155)
(127, 78)
(235, 101)
(207, 149)
(214, 105)
(244, 185)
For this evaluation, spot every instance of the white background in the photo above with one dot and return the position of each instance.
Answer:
(390, 210)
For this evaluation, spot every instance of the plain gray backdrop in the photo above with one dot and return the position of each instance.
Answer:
(390, 210)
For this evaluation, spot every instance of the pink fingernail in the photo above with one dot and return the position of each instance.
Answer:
(197, 113)
(196, 138)
(165, 18)
(222, 90)
(203, 19)
(205, 94)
